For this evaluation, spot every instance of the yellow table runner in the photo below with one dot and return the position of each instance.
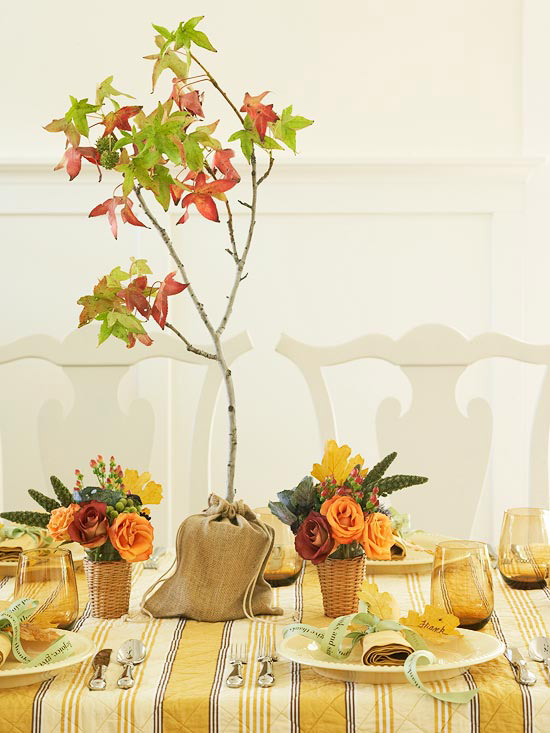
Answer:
(181, 686)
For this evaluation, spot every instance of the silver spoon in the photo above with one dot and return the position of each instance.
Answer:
(539, 650)
(132, 652)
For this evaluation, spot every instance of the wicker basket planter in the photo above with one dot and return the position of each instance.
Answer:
(109, 585)
(340, 582)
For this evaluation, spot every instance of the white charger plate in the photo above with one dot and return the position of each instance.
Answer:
(475, 648)
(416, 561)
(9, 567)
(15, 674)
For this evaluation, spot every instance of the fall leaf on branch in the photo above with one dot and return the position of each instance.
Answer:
(109, 207)
(135, 296)
(185, 99)
(119, 119)
(259, 113)
(285, 128)
(202, 196)
(61, 125)
(72, 160)
(78, 113)
(222, 162)
(106, 90)
(143, 338)
(168, 286)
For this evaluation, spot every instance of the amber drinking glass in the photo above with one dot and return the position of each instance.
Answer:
(462, 582)
(48, 576)
(284, 564)
(524, 550)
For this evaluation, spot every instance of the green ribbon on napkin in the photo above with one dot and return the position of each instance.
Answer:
(332, 643)
(13, 616)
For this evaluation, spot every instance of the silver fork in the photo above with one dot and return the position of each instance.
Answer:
(237, 657)
(268, 655)
(152, 563)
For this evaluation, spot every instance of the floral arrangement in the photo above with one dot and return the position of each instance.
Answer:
(111, 521)
(341, 514)
(170, 156)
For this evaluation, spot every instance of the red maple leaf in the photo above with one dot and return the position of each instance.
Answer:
(109, 207)
(168, 286)
(222, 161)
(134, 296)
(128, 216)
(119, 119)
(176, 191)
(188, 100)
(72, 160)
(259, 113)
(143, 338)
(202, 194)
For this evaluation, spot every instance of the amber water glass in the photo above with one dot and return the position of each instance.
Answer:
(524, 550)
(48, 576)
(284, 564)
(462, 582)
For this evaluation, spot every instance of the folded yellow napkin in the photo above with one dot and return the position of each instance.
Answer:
(11, 548)
(385, 648)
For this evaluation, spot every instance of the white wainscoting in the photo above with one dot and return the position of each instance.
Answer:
(343, 249)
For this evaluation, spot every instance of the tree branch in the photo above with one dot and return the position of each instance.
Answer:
(220, 90)
(219, 355)
(242, 260)
(269, 167)
(189, 345)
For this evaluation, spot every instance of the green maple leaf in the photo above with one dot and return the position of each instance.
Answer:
(187, 34)
(285, 128)
(193, 153)
(106, 90)
(168, 60)
(78, 112)
(245, 137)
(116, 276)
(139, 267)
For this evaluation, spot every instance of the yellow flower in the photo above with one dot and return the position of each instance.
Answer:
(336, 462)
(141, 484)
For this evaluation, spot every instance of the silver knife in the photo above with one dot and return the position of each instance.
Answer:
(522, 673)
(100, 663)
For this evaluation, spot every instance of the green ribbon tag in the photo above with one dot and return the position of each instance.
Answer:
(13, 616)
(413, 678)
(332, 642)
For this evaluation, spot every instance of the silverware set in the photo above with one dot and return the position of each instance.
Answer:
(539, 651)
(238, 657)
(132, 652)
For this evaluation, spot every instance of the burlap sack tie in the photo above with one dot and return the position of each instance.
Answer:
(221, 555)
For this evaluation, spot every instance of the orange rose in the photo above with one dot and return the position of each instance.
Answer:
(345, 517)
(377, 536)
(60, 520)
(132, 536)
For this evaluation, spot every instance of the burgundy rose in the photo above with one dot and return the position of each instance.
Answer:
(313, 540)
(90, 526)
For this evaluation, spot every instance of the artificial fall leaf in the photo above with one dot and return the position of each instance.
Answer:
(134, 296)
(202, 194)
(106, 89)
(379, 604)
(185, 99)
(143, 338)
(128, 216)
(72, 160)
(141, 484)
(109, 207)
(434, 624)
(222, 162)
(336, 463)
(259, 113)
(119, 119)
(168, 286)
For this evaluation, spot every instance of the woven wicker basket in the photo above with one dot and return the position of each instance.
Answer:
(109, 585)
(340, 582)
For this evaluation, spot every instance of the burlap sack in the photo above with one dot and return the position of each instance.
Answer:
(221, 555)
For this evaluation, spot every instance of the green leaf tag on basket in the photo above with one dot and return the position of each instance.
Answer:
(14, 616)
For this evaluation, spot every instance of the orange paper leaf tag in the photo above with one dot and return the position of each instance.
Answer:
(434, 624)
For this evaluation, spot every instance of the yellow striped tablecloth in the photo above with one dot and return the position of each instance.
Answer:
(180, 687)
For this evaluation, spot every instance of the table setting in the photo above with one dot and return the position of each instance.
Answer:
(325, 610)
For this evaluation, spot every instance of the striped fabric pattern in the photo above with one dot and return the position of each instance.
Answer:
(181, 685)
